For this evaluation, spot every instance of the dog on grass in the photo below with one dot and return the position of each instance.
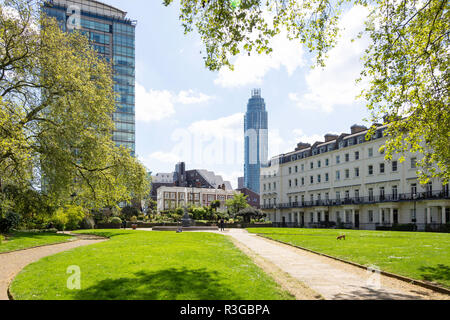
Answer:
(341, 237)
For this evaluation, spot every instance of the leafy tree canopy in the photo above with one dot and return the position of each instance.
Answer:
(250, 213)
(236, 204)
(56, 102)
(405, 64)
(128, 212)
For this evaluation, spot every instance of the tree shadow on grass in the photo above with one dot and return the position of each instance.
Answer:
(167, 284)
(31, 235)
(438, 273)
(107, 233)
(368, 293)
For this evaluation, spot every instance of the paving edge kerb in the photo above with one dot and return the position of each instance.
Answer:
(42, 245)
(388, 274)
(8, 291)
(10, 296)
(76, 237)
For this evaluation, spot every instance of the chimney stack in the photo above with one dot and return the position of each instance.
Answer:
(330, 137)
(358, 128)
(301, 146)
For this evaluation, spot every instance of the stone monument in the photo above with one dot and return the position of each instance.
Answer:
(186, 221)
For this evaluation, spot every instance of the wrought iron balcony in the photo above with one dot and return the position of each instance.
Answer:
(431, 195)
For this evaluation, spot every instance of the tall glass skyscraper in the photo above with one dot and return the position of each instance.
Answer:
(113, 37)
(256, 140)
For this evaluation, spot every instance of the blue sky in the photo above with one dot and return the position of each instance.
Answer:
(185, 112)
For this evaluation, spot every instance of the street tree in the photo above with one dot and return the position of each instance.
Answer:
(250, 213)
(237, 203)
(56, 105)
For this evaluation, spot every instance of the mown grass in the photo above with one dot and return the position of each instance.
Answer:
(422, 256)
(139, 265)
(23, 240)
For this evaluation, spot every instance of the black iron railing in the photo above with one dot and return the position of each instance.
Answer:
(434, 195)
(430, 227)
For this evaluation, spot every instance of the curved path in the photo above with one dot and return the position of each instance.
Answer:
(332, 279)
(12, 263)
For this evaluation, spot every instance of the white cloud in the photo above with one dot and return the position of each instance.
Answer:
(190, 97)
(229, 127)
(252, 69)
(299, 135)
(156, 105)
(335, 84)
(279, 144)
(164, 156)
(153, 105)
(204, 144)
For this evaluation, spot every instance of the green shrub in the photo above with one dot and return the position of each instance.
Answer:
(87, 223)
(59, 220)
(39, 222)
(115, 221)
(128, 212)
(1, 239)
(445, 228)
(199, 213)
(50, 230)
(75, 214)
(403, 227)
(133, 219)
(68, 218)
(9, 222)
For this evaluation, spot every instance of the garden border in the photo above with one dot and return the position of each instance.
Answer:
(43, 245)
(10, 296)
(68, 233)
(385, 273)
(76, 235)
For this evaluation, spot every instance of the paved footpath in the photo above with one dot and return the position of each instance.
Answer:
(12, 263)
(332, 279)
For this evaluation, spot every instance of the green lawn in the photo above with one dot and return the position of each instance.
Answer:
(23, 240)
(422, 256)
(142, 265)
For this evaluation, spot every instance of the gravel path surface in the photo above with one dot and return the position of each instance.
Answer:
(333, 279)
(12, 263)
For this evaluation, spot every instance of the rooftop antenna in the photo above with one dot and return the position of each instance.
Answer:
(256, 93)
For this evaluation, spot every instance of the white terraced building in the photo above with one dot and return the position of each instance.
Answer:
(346, 182)
(175, 197)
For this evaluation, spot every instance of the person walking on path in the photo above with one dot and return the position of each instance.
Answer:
(222, 225)
(124, 223)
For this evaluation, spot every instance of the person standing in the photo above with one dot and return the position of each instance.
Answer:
(222, 225)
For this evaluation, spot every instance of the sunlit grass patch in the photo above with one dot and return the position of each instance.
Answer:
(418, 255)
